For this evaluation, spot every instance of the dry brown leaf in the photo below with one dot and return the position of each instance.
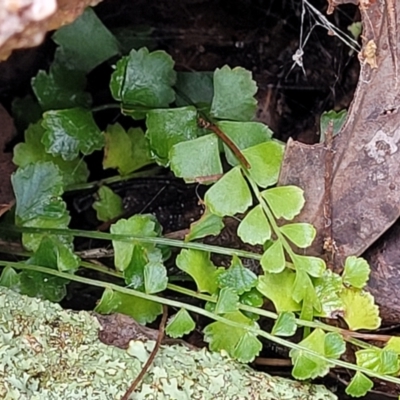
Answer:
(365, 187)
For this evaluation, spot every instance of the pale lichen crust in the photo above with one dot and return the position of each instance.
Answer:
(48, 353)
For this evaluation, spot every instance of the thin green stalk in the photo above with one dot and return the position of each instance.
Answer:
(173, 303)
(109, 106)
(204, 297)
(113, 179)
(254, 310)
(270, 217)
(102, 269)
(131, 239)
(272, 315)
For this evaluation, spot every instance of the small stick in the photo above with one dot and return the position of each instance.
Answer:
(208, 178)
(232, 146)
(392, 35)
(151, 357)
(329, 242)
(328, 177)
(273, 362)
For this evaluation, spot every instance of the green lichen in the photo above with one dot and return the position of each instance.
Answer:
(49, 353)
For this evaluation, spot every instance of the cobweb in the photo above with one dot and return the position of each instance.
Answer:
(318, 19)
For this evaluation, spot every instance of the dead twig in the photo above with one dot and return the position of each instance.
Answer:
(151, 357)
(232, 146)
(392, 35)
(329, 242)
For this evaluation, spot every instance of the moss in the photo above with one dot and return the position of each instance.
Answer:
(49, 353)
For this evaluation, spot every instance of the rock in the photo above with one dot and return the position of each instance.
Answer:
(24, 23)
(50, 353)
